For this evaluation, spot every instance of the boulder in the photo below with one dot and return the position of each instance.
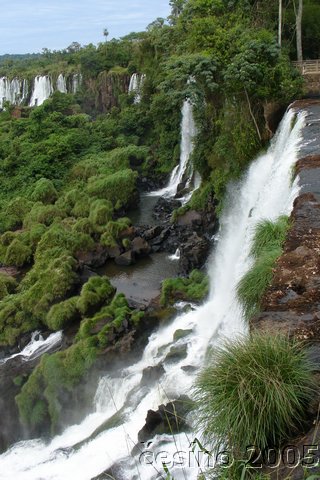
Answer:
(95, 258)
(151, 375)
(169, 419)
(194, 253)
(140, 246)
(177, 352)
(125, 259)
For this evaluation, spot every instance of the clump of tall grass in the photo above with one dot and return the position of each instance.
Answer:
(266, 248)
(255, 392)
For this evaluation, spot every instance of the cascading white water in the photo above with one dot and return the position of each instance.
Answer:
(42, 90)
(36, 347)
(265, 192)
(61, 84)
(136, 85)
(188, 133)
(10, 91)
(76, 82)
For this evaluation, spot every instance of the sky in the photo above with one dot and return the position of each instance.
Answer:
(27, 26)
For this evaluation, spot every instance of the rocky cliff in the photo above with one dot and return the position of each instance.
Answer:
(292, 303)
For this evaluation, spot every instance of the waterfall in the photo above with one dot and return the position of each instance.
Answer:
(10, 91)
(76, 82)
(61, 84)
(136, 85)
(188, 133)
(265, 191)
(36, 347)
(25, 90)
(42, 90)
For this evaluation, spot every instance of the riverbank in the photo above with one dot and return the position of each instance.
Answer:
(291, 304)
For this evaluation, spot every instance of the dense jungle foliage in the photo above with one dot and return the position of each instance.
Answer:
(69, 174)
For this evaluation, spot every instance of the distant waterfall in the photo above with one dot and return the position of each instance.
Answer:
(265, 192)
(61, 84)
(188, 133)
(11, 91)
(41, 91)
(16, 91)
(136, 85)
(76, 82)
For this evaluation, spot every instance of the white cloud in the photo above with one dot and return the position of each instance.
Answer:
(30, 26)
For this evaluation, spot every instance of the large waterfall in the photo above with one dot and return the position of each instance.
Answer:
(42, 90)
(180, 173)
(265, 191)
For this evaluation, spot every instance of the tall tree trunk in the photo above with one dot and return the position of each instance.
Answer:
(298, 31)
(280, 23)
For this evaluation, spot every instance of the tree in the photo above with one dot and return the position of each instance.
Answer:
(106, 33)
(299, 30)
(280, 23)
(176, 9)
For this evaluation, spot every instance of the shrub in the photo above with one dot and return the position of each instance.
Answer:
(50, 280)
(194, 288)
(62, 314)
(266, 249)
(117, 188)
(100, 213)
(17, 254)
(94, 293)
(255, 392)
(254, 283)
(7, 285)
(44, 191)
(269, 235)
(45, 214)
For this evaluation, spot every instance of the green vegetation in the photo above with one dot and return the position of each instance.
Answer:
(58, 374)
(194, 288)
(69, 169)
(267, 245)
(255, 392)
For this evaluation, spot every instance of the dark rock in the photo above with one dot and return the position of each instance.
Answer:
(188, 368)
(190, 218)
(177, 352)
(181, 334)
(139, 246)
(169, 419)
(151, 375)
(94, 258)
(153, 232)
(113, 252)
(125, 259)
(194, 253)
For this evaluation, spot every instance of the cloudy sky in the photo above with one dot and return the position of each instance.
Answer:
(30, 25)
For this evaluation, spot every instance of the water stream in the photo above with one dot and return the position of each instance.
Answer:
(265, 191)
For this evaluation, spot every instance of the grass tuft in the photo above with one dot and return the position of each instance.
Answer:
(266, 248)
(255, 392)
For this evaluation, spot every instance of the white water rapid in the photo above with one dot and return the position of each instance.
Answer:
(36, 347)
(264, 192)
(188, 133)
(42, 90)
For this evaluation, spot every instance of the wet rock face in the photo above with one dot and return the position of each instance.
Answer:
(292, 302)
